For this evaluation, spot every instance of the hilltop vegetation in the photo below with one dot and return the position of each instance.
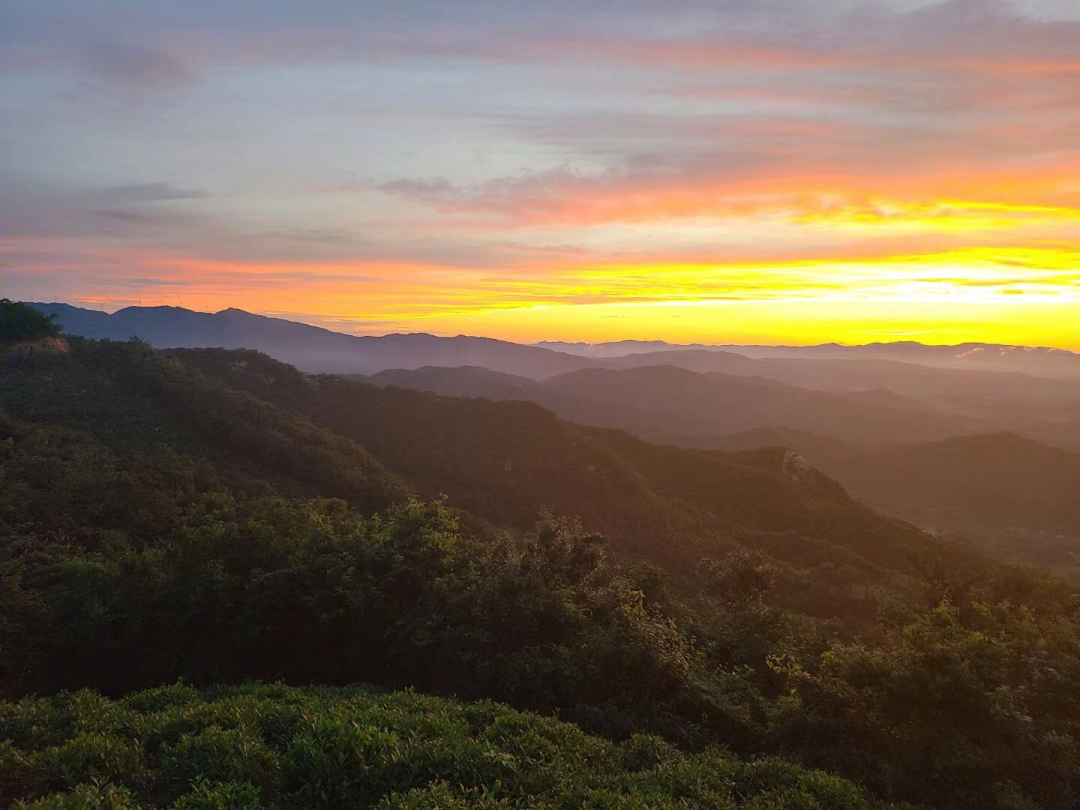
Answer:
(19, 322)
(253, 747)
(218, 517)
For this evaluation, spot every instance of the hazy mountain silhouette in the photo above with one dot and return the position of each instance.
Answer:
(832, 390)
(664, 403)
(853, 373)
(964, 478)
(470, 381)
(314, 348)
(682, 402)
(990, 481)
(987, 356)
(309, 348)
(995, 480)
(465, 381)
(1043, 408)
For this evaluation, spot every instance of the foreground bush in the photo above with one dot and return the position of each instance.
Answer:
(274, 746)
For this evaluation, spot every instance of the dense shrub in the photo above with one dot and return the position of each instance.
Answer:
(271, 746)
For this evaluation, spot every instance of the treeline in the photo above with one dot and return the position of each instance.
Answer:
(137, 547)
(19, 323)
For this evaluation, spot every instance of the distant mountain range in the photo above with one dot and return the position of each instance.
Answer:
(309, 348)
(677, 406)
(901, 455)
(1041, 361)
(850, 393)
(1044, 408)
(970, 437)
(320, 350)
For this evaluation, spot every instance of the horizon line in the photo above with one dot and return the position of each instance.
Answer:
(540, 343)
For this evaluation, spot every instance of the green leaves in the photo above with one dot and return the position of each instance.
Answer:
(949, 709)
(271, 746)
(19, 322)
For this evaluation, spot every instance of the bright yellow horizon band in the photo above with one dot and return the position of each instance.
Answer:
(1015, 295)
(1022, 296)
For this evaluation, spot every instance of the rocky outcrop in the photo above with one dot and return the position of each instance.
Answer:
(797, 468)
(50, 344)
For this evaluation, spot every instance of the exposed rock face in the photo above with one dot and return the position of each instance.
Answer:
(51, 344)
(797, 468)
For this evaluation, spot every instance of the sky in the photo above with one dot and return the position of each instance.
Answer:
(721, 171)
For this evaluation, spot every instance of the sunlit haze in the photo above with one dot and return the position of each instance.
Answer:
(758, 172)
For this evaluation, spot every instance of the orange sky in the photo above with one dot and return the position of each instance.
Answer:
(834, 170)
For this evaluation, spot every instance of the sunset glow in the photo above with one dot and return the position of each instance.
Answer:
(764, 173)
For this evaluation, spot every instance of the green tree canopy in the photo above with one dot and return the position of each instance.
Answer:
(20, 322)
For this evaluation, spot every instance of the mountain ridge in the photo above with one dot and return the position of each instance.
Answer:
(504, 462)
(663, 403)
(549, 357)
(310, 348)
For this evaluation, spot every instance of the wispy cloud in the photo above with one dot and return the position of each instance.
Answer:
(158, 191)
(133, 64)
(377, 163)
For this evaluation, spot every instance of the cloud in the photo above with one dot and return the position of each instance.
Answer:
(164, 40)
(814, 185)
(158, 191)
(135, 65)
(432, 190)
(409, 158)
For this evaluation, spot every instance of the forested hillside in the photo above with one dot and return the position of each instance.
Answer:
(975, 480)
(676, 405)
(506, 461)
(218, 517)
